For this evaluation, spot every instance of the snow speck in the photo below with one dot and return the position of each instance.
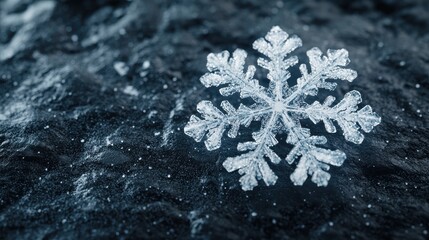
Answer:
(143, 74)
(74, 38)
(146, 64)
(121, 68)
(152, 113)
(145, 67)
(130, 90)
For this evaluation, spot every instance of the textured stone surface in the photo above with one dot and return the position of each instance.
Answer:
(94, 97)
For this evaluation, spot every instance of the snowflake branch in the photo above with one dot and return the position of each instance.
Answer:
(314, 160)
(276, 46)
(215, 121)
(346, 115)
(230, 71)
(252, 164)
(323, 68)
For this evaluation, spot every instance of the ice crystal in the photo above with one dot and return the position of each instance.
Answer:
(280, 108)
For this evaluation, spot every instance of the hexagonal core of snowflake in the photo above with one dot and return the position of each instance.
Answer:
(280, 108)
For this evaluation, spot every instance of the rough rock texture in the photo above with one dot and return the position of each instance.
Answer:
(94, 97)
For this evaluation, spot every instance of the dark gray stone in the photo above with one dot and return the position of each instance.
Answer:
(86, 152)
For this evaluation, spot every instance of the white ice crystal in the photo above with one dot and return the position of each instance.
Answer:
(280, 108)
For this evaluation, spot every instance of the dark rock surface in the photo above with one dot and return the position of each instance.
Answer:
(94, 97)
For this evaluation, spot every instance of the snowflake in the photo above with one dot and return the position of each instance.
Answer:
(280, 109)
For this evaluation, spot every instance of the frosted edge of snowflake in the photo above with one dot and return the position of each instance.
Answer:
(280, 109)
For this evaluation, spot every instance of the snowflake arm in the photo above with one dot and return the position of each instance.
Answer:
(314, 160)
(252, 164)
(323, 68)
(230, 72)
(215, 122)
(346, 115)
(276, 46)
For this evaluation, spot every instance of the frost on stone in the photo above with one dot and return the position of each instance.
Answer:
(280, 107)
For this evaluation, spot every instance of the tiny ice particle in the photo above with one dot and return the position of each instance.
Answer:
(143, 74)
(146, 64)
(121, 68)
(130, 90)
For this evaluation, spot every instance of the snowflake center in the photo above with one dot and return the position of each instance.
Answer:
(278, 106)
